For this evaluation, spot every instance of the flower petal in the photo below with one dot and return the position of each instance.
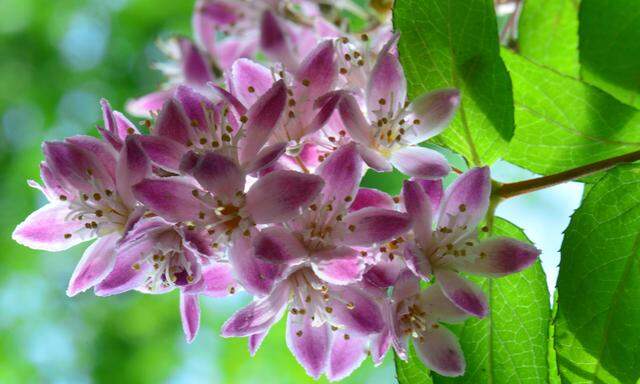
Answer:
(318, 71)
(190, 314)
(374, 159)
(354, 121)
(255, 275)
(375, 225)
(249, 80)
(466, 295)
(419, 208)
(385, 272)
(217, 281)
(258, 316)
(172, 123)
(420, 162)
(96, 263)
(76, 167)
(103, 152)
(380, 344)
(501, 256)
(266, 157)
(273, 41)
(229, 99)
(431, 113)
(171, 198)
(387, 87)
(48, 229)
(339, 266)
(163, 151)
(433, 189)
(133, 166)
(129, 271)
(218, 174)
(407, 285)
(467, 198)
(441, 352)
(356, 310)
(368, 197)
(347, 353)
(195, 68)
(278, 245)
(310, 345)
(263, 117)
(439, 307)
(143, 106)
(341, 172)
(417, 261)
(255, 341)
(326, 104)
(279, 195)
(195, 106)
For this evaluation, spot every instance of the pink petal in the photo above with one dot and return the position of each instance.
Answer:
(163, 151)
(502, 256)
(439, 307)
(347, 353)
(258, 316)
(368, 197)
(279, 195)
(102, 151)
(356, 310)
(417, 261)
(420, 162)
(463, 293)
(229, 99)
(266, 157)
(76, 166)
(196, 107)
(133, 166)
(375, 225)
(255, 341)
(273, 41)
(406, 286)
(380, 344)
(354, 121)
(218, 174)
(374, 159)
(419, 208)
(441, 352)
(172, 123)
(142, 106)
(278, 245)
(468, 198)
(233, 48)
(255, 275)
(433, 189)
(171, 198)
(190, 314)
(129, 271)
(249, 80)
(341, 172)
(385, 272)
(48, 229)
(195, 68)
(387, 87)
(318, 71)
(217, 281)
(97, 261)
(263, 118)
(310, 345)
(433, 111)
(339, 266)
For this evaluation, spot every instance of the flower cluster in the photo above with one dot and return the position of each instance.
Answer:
(249, 178)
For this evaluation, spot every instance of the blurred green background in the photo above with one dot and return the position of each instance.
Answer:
(57, 59)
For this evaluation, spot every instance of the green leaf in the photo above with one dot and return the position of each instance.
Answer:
(563, 123)
(412, 371)
(610, 47)
(511, 344)
(598, 320)
(548, 34)
(454, 43)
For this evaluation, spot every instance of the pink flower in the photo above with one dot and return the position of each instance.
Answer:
(390, 134)
(88, 185)
(453, 245)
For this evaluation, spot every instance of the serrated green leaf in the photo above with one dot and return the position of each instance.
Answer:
(548, 34)
(412, 371)
(563, 123)
(610, 47)
(598, 320)
(454, 43)
(511, 345)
